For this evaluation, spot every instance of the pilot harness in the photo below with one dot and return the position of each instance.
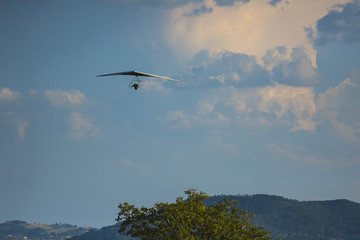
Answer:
(135, 83)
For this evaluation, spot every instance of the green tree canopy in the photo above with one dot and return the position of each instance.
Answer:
(189, 219)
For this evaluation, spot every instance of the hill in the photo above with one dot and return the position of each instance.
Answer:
(284, 218)
(16, 230)
(105, 233)
(298, 220)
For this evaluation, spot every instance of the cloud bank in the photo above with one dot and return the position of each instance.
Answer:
(9, 114)
(259, 58)
(340, 106)
(280, 65)
(81, 127)
(340, 26)
(7, 95)
(251, 28)
(252, 107)
(66, 99)
(296, 108)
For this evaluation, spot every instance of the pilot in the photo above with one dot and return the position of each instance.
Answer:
(135, 86)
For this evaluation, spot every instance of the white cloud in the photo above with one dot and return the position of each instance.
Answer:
(153, 85)
(335, 97)
(204, 117)
(6, 94)
(14, 119)
(11, 117)
(81, 127)
(340, 105)
(226, 68)
(288, 66)
(179, 116)
(345, 132)
(251, 28)
(291, 66)
(290, 105)
(205, 108)
(265, 106)
(298, 107)
(277, 55)
(70, 99)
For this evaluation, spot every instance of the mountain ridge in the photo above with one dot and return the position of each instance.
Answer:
(293, 219)
(285, 218)
(17, 229)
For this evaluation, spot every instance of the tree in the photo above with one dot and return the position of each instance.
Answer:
(189, 219)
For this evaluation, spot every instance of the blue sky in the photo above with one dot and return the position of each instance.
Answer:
(269, 103)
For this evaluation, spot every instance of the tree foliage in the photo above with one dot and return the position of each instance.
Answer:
(189, 219)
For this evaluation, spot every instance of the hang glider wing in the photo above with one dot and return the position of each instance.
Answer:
(137, 74)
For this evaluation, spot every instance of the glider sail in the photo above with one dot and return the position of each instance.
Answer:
(137, 74)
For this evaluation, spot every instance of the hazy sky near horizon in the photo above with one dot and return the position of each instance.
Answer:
(269, 103)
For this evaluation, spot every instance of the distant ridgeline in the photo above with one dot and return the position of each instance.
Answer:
(105, 233)
(301, 220)
(16, 230)
(284, 218)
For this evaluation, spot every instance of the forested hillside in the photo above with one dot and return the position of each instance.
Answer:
(292, 219)
(284, 218)
(105, 233)
(16, 230)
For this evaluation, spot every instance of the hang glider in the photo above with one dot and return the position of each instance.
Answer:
(135, 83)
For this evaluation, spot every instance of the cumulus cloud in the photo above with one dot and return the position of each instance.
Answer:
(252, 28)
(291, 66)
(154, 86)
(340, 105)
(179, 116)
(340, 26)
(293, 107)
(7, 95)
(288, 66)
(335, 98)
(67, 99)
(81, 127)
(345, 132)
(204, 116)
(226, 68)
(287, 105)
(13, 119)
(9, 116)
